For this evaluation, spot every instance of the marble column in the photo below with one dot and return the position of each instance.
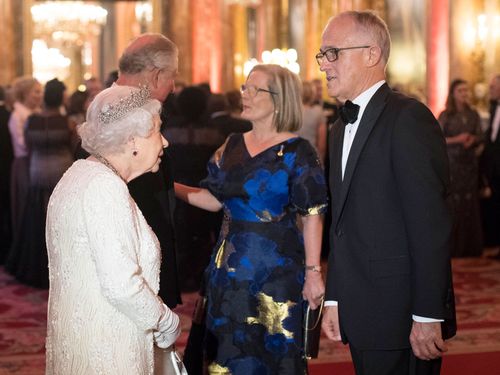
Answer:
(438, 57)
(239, 43)
(176, 24)
(206, 42)
(297, 35)
(8, 55)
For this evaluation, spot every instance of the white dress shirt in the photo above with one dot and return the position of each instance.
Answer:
(350, 132)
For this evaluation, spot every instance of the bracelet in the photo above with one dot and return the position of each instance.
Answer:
(313, 268)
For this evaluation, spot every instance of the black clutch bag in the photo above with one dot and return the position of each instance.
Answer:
(312, 330)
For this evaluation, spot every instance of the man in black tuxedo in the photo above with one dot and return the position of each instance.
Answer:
(152, 60)
(490, 163)
(389, 292)
(6, 156)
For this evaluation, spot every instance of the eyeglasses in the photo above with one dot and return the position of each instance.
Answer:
(332, 54)
(252, 90)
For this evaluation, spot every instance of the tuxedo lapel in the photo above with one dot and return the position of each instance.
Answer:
(368, 121)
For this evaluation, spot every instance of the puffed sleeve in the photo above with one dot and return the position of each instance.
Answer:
(110, 219)
(308, 186)
(216, 176)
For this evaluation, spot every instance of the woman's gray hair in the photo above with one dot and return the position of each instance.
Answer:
(115, 116)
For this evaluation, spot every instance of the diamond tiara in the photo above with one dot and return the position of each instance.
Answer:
(114, 112)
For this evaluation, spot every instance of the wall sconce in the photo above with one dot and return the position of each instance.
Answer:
(477, 36)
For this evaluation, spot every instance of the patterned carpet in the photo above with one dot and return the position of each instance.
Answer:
(477, 288)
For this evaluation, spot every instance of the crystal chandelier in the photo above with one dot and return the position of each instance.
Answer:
(48, 62)
(67, 20)
(286, 58)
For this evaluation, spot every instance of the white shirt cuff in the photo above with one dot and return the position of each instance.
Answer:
(421, 319)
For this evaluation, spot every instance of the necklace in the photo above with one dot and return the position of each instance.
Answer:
(104, 161)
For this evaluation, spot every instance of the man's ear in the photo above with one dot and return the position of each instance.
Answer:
(155, 77)
(374, 56)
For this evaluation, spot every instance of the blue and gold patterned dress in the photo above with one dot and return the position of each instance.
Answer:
(256, 274)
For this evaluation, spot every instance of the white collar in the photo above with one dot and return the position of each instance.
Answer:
(364, 98)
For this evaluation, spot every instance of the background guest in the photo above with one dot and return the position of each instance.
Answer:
(112, 78)
(6, 156)
(47, 136)
(93, 86)
(29, 94)
(330, 109)
(314, 123)
(220, 117)
(462, 129)
(77, 108)
(490, 163)
(234, 101)
(192, 141)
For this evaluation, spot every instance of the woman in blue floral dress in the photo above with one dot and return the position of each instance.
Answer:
(263, 266)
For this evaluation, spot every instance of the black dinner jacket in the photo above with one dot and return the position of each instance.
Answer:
(490, 158)
(390, 228)
(155, 197)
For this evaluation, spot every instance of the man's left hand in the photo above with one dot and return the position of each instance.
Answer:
(426, 340)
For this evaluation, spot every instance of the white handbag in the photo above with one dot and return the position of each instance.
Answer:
(168, 362)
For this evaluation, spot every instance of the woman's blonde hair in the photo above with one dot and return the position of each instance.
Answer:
(287, 98)
(22, 87)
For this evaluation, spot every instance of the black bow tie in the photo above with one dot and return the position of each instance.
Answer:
(349, 112)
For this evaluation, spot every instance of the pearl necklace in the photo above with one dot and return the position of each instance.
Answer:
(104, 161)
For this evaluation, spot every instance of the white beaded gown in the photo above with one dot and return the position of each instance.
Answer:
(104, 263)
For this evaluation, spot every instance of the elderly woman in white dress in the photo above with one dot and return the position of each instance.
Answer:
(104, 313)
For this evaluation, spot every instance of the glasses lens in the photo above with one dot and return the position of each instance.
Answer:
(249, 89)
(319, 58)
(331, 54)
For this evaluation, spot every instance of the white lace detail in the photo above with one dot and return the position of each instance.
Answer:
(104, 264)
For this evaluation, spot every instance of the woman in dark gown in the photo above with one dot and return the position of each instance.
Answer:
(47, 136)
(462, 130)
(263, 267)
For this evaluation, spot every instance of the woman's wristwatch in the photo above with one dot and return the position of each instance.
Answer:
(313, 268)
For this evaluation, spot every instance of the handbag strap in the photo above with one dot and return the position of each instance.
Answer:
(308, 311)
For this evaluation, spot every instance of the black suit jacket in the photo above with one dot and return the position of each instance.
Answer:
(6, 152)
(6, 156)
(155, 197)
(390, 228)
(490, 159)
